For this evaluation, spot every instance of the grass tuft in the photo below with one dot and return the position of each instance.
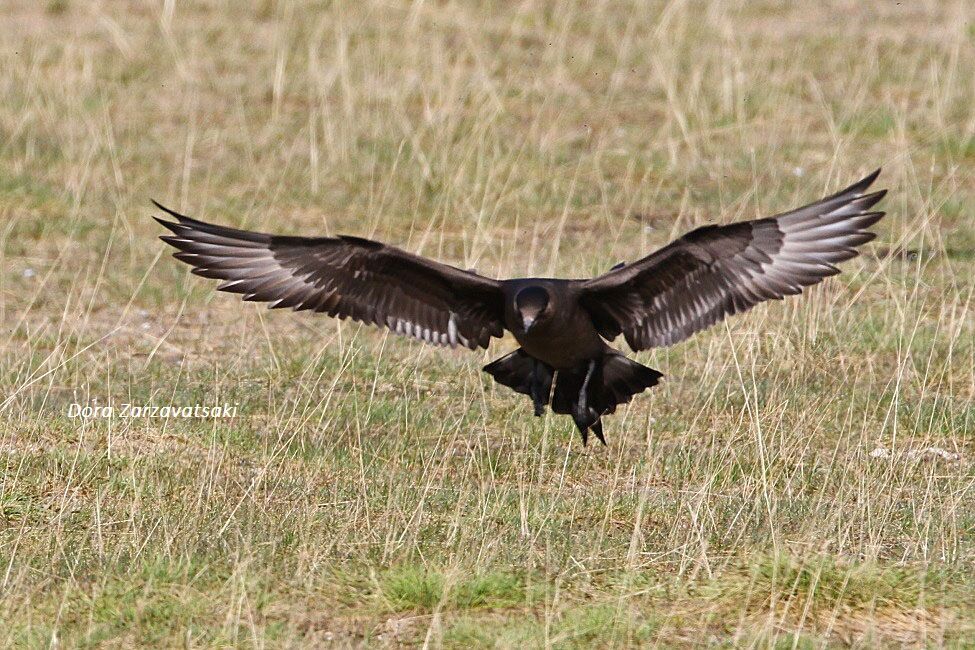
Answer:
(804, 477)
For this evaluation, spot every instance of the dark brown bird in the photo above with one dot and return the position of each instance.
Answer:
(563, 326)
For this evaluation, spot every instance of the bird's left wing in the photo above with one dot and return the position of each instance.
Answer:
(716, 271)
(346, 277)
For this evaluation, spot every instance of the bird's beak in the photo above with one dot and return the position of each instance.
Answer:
(527, 322)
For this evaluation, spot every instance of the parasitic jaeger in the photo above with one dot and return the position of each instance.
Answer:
(563, 326)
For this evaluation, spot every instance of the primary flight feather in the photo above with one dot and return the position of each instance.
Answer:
(563, 326)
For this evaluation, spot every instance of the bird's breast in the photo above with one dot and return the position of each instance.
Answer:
(562, 345)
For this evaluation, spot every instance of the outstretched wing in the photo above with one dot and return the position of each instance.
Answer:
(716, 271)
(347, 277)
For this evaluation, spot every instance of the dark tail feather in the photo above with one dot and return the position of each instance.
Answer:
(615, 381)
(515, 371)
(622, 379)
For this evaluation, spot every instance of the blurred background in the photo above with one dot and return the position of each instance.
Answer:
(802, 478)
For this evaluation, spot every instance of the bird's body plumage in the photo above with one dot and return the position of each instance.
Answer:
(566, 339)
(563, 326)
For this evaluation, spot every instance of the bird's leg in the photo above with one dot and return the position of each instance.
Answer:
(536, 388)
(582, 423)
(583, 403)
(585, 416)
(597, 428)
(540, 385)
(584, 430)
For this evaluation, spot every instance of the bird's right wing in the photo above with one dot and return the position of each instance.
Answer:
(346, 277)
(716, 271)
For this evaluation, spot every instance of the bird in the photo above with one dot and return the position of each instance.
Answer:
(564, 327)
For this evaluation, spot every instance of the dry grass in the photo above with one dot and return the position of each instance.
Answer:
(372, 491)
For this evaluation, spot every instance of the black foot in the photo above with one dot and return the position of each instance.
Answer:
(541, 386)
(597, 428)
(584, 415)
(586, 420)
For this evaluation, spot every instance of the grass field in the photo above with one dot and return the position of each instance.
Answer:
(804, 477)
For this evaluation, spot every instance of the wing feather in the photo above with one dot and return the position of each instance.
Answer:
(716, 271)
(346, 277)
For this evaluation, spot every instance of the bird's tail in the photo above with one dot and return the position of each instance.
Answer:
(513, 370)
(622, 379)
(615, 381)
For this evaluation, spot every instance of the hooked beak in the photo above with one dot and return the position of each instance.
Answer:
(527, 322)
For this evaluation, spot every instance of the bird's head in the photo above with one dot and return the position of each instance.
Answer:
(532, 304)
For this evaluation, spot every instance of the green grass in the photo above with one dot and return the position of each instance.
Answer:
(375, 492)
(420, 589)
